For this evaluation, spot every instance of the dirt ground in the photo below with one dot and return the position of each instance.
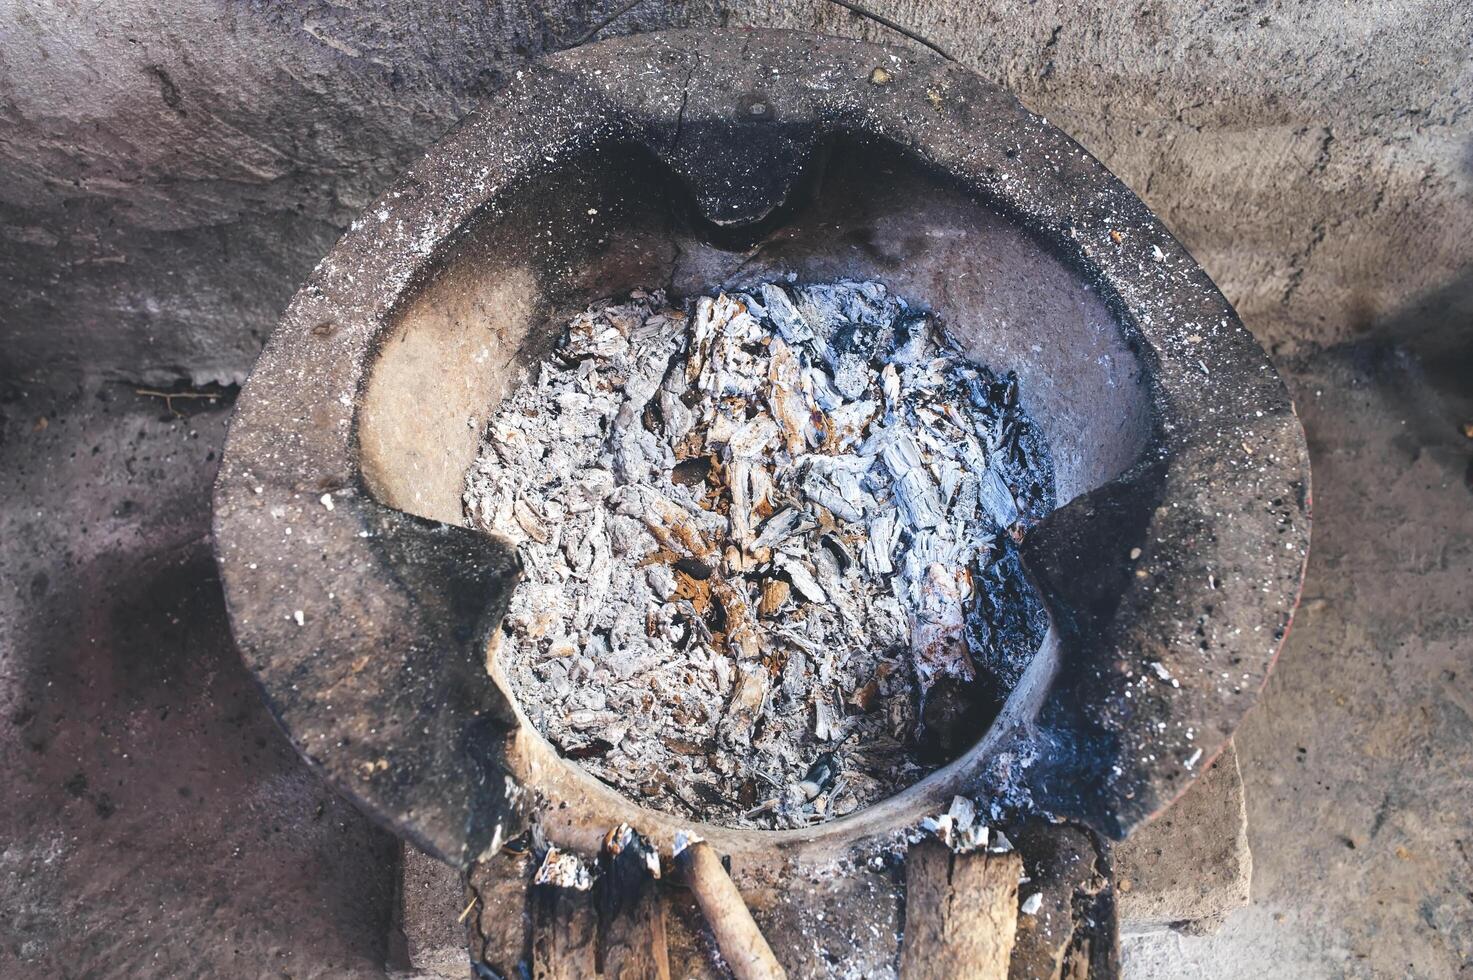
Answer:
(1358, 762)
(157, 824)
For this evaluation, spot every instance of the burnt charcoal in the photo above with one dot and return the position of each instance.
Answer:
(1007, 619)
(628, 864)
(592, 749)
(954, 714)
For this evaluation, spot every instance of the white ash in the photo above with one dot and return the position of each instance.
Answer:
(762, 537)
(959, 829)
(563, 870)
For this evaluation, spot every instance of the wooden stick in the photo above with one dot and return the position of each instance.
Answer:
(737, 936)
(632, 944)
(637, 948)
(564, 933)
(961, 913)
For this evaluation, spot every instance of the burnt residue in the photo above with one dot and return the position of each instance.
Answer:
(1007, 623)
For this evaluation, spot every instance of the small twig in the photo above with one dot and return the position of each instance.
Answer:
(897, 28)
(604, 23)
(770, 781)
(176, 394)
(474, 900)
(169, 396)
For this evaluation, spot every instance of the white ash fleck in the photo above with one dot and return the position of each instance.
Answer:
(770, 547)
(562, 869)
(959, 829)
(1164, 674)
(684, 839)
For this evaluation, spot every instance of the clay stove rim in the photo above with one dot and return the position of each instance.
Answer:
(445, 783)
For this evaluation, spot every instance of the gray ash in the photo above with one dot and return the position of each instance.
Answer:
(771, 548)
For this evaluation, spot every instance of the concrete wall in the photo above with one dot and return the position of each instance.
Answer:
(168, 176)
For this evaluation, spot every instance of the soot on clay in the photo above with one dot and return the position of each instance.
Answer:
(770, 542)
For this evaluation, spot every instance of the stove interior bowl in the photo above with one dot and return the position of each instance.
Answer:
(617, 219)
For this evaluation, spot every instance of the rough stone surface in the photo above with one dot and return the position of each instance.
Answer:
(432, 897)
(154, 821)
(377, 674)
(1358, 761)
(173, 174)
(1191, 866)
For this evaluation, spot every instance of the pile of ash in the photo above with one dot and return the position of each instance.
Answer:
(770, 543)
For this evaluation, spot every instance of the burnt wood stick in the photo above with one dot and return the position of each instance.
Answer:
(1063, 866)
(631, 909)
(567, 937)
(741, 943)
(499, 928)
(636, 947)
(961, 913)
(564, 933)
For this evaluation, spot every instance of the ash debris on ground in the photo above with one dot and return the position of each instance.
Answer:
(770, 542)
